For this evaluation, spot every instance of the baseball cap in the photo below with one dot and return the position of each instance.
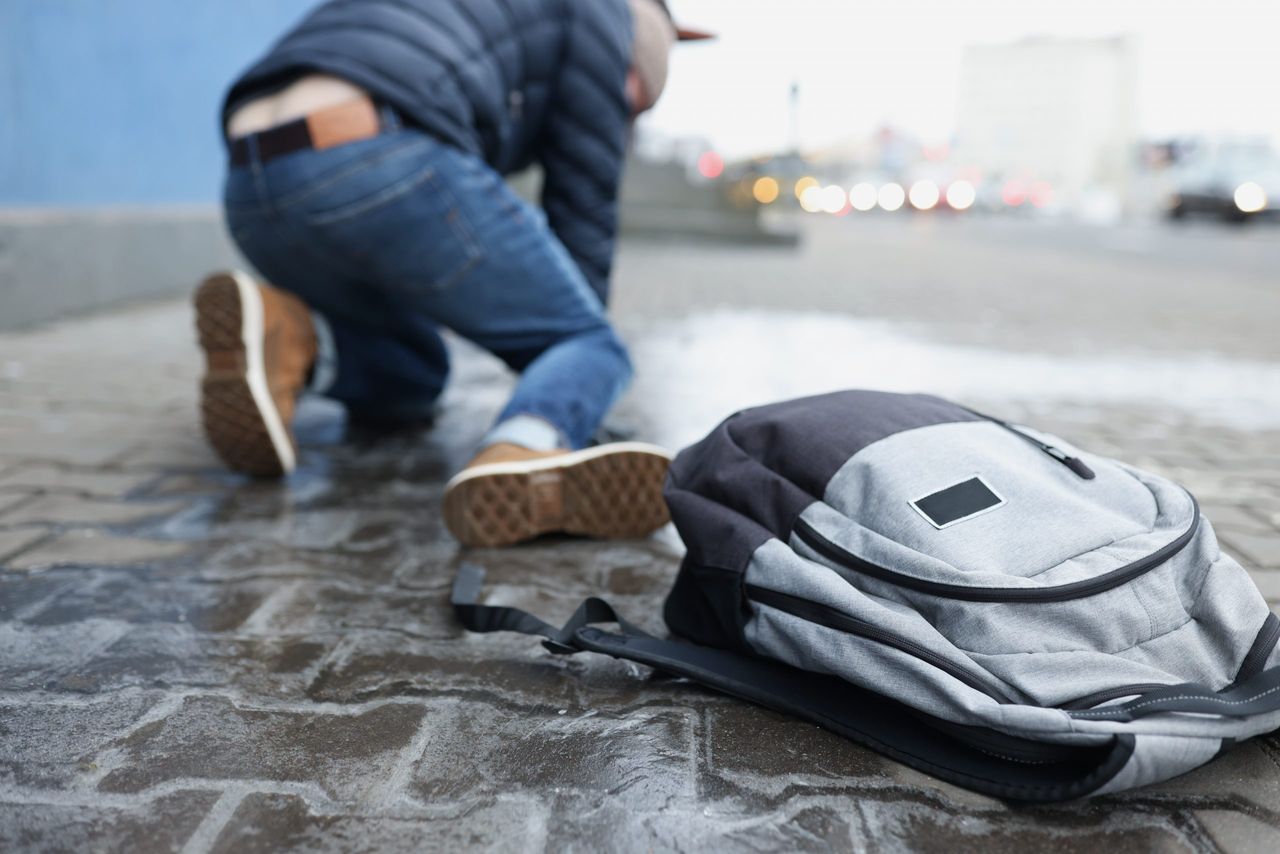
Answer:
(685, 34)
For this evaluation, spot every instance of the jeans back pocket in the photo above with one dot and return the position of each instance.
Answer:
(395, 221)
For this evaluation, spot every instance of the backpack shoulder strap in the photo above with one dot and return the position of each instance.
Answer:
(1259, 695)
(495, 618)
(983, 760)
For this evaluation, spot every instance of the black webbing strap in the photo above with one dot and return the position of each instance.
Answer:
(987, 761)
(497, 618)
(1257, 696)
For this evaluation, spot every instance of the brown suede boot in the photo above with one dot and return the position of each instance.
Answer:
(259, 345)
(509, 494)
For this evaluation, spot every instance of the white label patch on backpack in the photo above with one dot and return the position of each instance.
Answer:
(970, 497)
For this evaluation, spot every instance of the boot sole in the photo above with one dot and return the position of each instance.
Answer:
(240, 418)
(610, 492)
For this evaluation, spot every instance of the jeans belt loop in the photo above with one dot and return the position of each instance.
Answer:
(390, 118)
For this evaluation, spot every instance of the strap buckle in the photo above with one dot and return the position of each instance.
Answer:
(558, 648)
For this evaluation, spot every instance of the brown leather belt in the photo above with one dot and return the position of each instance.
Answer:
(327, 128)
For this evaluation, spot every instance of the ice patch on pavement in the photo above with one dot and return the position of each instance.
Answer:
(705, 367)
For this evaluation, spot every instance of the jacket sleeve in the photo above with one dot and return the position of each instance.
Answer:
(584, 141)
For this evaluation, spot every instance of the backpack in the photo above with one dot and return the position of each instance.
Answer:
(978, 600)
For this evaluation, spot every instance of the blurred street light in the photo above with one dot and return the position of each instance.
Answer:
(804, 184)
(961, 195)
(924, 195)
(765, 190)
(710, 165)
(833, 199)
(891, 196)
(1250, 197)
(1041, 194)
(1014, 193)
(811, 199)
(863, 196)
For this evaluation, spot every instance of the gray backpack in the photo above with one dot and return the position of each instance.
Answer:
(980, 601)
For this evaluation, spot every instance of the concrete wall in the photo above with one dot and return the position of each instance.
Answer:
(59, 263)
(110, 153)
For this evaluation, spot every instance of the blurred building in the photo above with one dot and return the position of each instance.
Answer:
(1057, 114)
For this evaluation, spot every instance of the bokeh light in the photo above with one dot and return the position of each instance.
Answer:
(1250, 197)
(765, 190)
(924, 195)
(1014, 193)
(961, 195)
(1041, 194)
(891, 196)
(811, 199)
(863, 196)
(710, 165)
(833, 199)
(804, 184)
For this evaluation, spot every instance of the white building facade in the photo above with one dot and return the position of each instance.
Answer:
(1060, 112)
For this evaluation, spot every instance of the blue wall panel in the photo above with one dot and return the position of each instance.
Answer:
(115, 102)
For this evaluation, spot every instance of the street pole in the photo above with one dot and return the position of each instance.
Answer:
(794, 123)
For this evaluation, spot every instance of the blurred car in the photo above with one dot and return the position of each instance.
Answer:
(1233, 181)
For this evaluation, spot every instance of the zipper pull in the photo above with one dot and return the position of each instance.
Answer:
(1074, 463)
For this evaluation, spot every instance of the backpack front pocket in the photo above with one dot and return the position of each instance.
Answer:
(808, 534)
(833, 618)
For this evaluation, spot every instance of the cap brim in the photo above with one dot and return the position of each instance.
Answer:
(685, 34)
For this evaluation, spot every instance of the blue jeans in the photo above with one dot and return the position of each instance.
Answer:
(391, 238)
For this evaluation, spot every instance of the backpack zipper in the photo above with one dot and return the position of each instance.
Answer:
(1076, 464)
(824, 615)
(966, 593)
(1259, 651)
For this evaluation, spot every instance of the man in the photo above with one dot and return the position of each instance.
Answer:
(367, 152)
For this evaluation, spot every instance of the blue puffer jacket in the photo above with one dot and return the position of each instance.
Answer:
(512, 81)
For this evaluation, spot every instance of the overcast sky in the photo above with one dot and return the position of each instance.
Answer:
(1203, 65)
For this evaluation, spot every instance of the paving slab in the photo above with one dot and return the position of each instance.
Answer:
(263, 824)
(1256, 549)
(1268, 581)
(138, 597)
(1237, 517)
(21, 594)
(174, 657)
(1240, 834)
(186, 451)
(78, 449)
(11, 500)
(14, 542)
(47, 478)
(54, 742)
(481, 750)
(96, 548)
(78, 511)
(162, 824)
(342, 753)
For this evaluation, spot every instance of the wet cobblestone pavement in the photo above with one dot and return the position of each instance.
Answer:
(193, 661)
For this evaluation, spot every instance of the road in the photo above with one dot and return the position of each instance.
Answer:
(1035, 286)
